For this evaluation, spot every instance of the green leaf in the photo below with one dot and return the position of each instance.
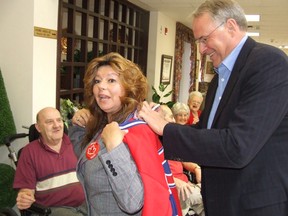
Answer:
(67, 109)
(168, 94)
(161, 87)
(155, 98)
(170, 104)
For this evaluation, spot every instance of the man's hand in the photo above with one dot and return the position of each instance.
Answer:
(25, 198)
(153, 118)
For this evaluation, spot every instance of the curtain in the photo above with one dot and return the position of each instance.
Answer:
(183, 34)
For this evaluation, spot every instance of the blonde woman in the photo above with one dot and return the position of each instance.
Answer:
(195, 100)
(189, 193)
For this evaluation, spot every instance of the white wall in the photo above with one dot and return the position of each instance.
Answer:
(185, 77)
(44, 56)
(16, 56)
(159, 44)
(28, 63)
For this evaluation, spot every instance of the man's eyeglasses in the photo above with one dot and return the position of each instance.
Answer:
(204, 39)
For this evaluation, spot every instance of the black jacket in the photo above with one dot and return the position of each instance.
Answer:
(244, 155)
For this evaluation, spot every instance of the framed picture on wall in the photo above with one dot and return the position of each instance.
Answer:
(166, 66)
(209, 68)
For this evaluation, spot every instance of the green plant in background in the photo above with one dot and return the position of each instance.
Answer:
(7, 193)
(6, 121)
(157, 97)
(67, 109)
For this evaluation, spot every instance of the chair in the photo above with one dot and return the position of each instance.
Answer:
(7, 212)
(192, 178)
(33, 135)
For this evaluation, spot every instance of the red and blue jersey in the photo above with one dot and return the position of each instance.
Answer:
(160, 193)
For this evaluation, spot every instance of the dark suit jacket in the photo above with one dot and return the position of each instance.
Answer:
(244, 157)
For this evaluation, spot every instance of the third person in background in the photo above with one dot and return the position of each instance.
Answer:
(195, 100)
(188, 188)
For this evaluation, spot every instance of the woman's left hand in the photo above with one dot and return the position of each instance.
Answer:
(112, 135)
(81, 117)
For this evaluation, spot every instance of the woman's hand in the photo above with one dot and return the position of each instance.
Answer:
(112, 135)
(197, 172)
(195, 119)
(195, 168)
(81, 117)
(184, 189)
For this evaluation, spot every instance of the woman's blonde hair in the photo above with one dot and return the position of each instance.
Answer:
(193, 94)
(180, 107)
(133, 81)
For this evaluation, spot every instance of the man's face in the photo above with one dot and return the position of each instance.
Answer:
(50, 125)
(214, 38)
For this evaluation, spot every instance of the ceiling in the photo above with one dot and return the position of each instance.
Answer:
(273, 25)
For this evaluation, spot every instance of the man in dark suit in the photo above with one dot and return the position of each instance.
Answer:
(241, 140)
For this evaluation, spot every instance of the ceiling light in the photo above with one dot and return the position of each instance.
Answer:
(283, 47)
(253, 34)
(252, 18)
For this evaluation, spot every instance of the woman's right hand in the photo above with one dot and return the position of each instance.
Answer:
(112, 135)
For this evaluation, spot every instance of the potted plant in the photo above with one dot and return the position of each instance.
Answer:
(7, 193)
(6, 120)
(157, 97)
(67, 109)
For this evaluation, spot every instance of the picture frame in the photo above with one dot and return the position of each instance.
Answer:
(166, 67)
(209, 68)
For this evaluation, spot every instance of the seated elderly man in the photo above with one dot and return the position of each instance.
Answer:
(46, 170)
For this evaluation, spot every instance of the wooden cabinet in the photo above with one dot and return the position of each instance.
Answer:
(91, 28)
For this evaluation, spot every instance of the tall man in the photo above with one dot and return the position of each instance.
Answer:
(241, 140)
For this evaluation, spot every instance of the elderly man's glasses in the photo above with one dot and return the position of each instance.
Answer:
(204, 39)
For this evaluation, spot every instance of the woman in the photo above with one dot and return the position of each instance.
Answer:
(114, 182)
(194, 102)
(189, 193)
